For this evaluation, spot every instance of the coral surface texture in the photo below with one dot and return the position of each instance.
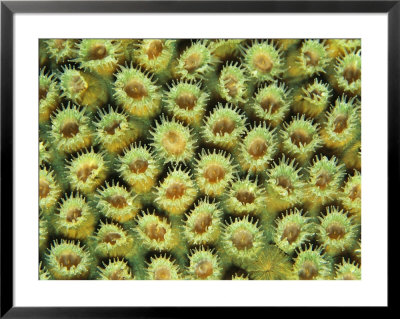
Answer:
(202, 159)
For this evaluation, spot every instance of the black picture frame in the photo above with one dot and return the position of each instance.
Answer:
(9, 8)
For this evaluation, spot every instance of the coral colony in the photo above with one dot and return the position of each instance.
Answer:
(223, 159)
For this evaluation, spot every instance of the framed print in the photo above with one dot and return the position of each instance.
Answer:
(164, 154)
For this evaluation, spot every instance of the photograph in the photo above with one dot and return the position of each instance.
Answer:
(199, 159)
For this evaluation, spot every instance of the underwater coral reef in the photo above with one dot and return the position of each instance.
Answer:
(233, 159)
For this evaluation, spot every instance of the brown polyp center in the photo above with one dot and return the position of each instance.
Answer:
(85, 171)
(230, 83)
(315, 94)
(202, 223)
(263, 62)
(155, 49)
(245, 197)
(291, 232)
(43, 92)
(68, 259)
(70, 129)
(257, 148)
(175, 190)
(309, 271)
(138, 166)
(162, 273)
(349, 276)
(351, 74)
(44, 188)
(214, 173)
(242, 239)
(174, 143)
(186, 101)
(192, 62)
(300, 136)
(312, 58)
(224, 126)
(111, 238)
(335, 231)
(323, 180)
(135, 89)
(204, 269)
(355, 192)
(270, 104)
(117, 201)
(155, 231)
(73, 215)
(77, 84)
(110, 129)
(59, 44)
(97, 52)
(285, 183)
(116, 275)
(340, 123)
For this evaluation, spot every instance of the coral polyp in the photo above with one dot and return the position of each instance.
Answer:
(313, 58)
(214, 172)
(86, 171)
(115, 270)
(311, 264)
(257, 149)
(224, 126)
(339, 47)
(232, 84)
(61, 50)
(242, 239)
(176, 192)
(313, 99)
(136, 92)
(263, 61)
(348, 73)
(186, 101)
(82, 88)
(111, 240)
(351, 197)
(203, 224)
(68, 260)
(300, 138)
(70, 129)
(173, 141)
(49, 190)
(337, 232)
(325, 178)
(49, 95)
(221, 48)
(348, 271)
(155, 55)
(285, 186)
(292, 230)
(139, 168)
(219, 159)
(245, 197)
(204, 265)
(75, 219)
(195, 62)
(342, 125)
(163, 268)
(98, 55)
(272, 103)
(114, 131)
(117, 203)
(155, 232)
